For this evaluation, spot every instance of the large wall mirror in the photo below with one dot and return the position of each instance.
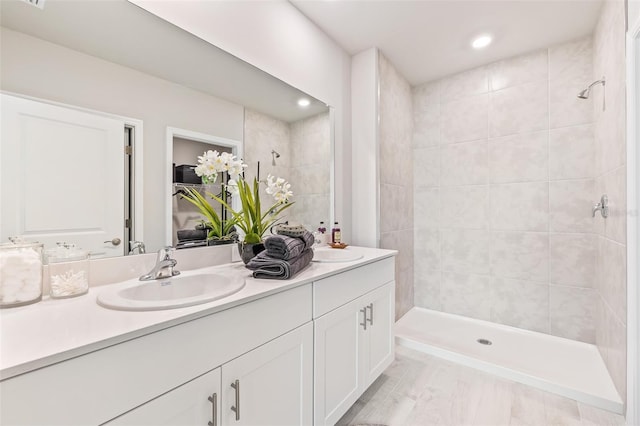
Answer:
(132, 77)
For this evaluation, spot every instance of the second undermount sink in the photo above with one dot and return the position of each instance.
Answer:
(175, 292)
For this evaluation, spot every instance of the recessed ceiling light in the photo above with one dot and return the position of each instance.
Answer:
(304, 102)
(481, 41)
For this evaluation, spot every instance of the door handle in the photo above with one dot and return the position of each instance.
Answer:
(214, 410)
(236, 408)
(370, 319)
(364, 321)
(116, 241)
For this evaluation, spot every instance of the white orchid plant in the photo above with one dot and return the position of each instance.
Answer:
(250, 219)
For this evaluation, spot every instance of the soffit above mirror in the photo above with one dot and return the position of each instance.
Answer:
(123, 33)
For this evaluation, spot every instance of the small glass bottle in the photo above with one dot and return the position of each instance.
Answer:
(20, 273)
(68, 271)
(336, 235)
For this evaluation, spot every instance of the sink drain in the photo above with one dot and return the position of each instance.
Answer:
(484, 342)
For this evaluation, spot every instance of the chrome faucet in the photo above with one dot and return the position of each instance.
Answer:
(164, 266)
(136, 245)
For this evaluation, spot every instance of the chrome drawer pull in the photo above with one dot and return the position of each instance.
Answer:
(214, 410)
(236, 408)
(364, 322)
(370, 319)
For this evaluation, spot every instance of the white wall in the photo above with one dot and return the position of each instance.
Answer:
(44, 70)
(275, 37)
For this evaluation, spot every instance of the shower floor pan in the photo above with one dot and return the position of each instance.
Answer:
(562, 366)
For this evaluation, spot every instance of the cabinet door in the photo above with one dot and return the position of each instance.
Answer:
(272, 384)
(189, 404)
(337, 342)
(379, 347)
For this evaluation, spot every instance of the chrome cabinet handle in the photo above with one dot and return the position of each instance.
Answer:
(236, 408)
(370, 319)
(214, 410)
(364, 321)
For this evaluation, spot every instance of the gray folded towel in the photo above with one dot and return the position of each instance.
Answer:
(264, 266)
(286, 247)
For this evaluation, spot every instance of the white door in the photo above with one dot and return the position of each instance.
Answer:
(338, 337)
(195, 403)
(271, 385)
(380, 339)
(61, 176)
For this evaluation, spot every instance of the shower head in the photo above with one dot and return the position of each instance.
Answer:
(586, 92)
(274, 155)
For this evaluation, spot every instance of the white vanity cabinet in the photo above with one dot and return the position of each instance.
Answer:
(353, 336)
(271, 384)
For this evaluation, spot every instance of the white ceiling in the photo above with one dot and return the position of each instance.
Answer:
(429, 39)
(120, 32)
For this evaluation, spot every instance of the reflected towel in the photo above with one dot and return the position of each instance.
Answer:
(264, 266)
(285, 247)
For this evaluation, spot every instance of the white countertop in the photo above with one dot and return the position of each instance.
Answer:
(52, 331)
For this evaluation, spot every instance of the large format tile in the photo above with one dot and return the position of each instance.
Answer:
(520, 206)
(572, 152)
(572, 312)
(519, 109)
(612, 276)
(426, 128)
(570, 204)
(464, 120)
(523, 304)
(572, 259)
(464, 84)
(519, 158)
(465, 251)
(464, 207)
(426, 244)
(425, 97)
(426, 168)
(426, 288)
(520, 255)
(426, 209)
(466, 294)
(464, 164)
(522, 69)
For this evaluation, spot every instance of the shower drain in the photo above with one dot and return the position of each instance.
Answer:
(484, 342)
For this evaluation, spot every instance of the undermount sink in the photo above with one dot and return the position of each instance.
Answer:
(175, 292)
(331, 255)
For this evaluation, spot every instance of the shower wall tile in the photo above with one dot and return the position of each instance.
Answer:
(425, 98)
(466, 294)
(520, 206)
(523, 304)
(572, 259)
(404, 292)
(519, 70)
(572, 313)
(570, 205)
(426, 209)
(464, 164)
(572, 152)
(427, 249)
(520, 255)
(464, 120)
(426, 168)
(426, 129)
(464, 84)
(464, 207)
(611, 276)
(427, 289)
(395, 205)
(465, 251)
(571, 70)
(519, 158)
(519, 109)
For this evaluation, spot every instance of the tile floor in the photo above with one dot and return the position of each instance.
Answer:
(419, 389)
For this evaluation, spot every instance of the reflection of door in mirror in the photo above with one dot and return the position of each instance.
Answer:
(184, 147)
(305, 156)
(62, 176)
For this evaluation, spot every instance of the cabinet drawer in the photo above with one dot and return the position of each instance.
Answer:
(98, 386)
(332, 292)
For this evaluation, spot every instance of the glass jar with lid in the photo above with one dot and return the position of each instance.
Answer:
(68, 271)
(20, 273)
